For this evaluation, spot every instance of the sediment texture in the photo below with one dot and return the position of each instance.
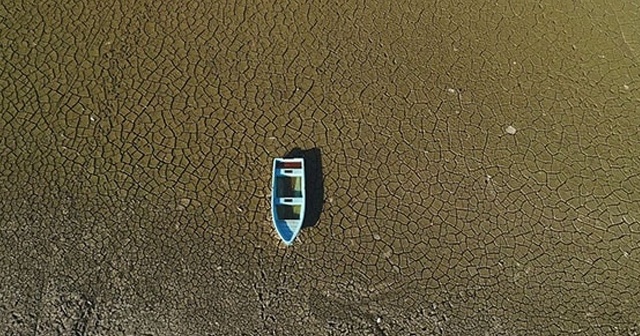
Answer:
(480, 165)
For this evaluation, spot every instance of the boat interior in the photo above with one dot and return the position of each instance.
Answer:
(289, 186)
(288, 211)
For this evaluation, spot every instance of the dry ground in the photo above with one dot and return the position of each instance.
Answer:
(480, 161)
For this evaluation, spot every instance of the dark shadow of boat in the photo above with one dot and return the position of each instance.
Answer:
(314, 180)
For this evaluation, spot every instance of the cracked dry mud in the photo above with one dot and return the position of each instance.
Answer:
(481, 167)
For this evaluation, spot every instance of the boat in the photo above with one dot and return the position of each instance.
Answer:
(288, 197)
